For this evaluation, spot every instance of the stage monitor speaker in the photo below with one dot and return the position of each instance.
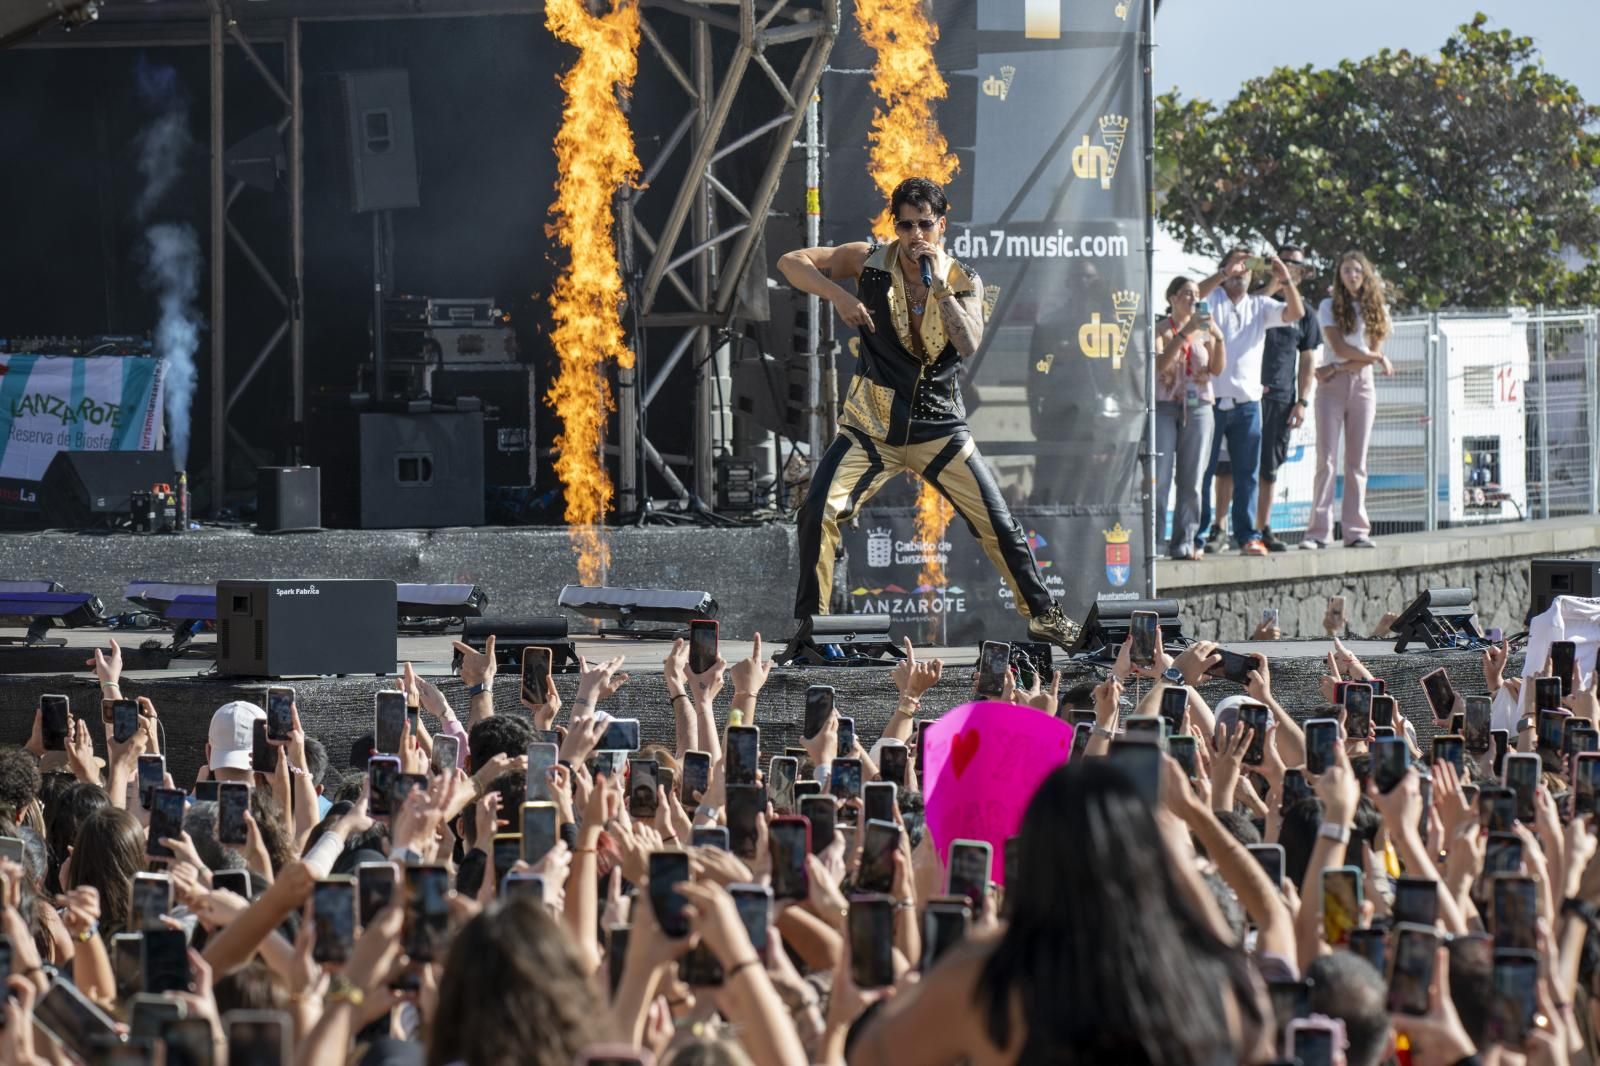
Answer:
(290, 499)
(1549, 578)
(380, 145)
(842, 640)
(402, 471)
(1439, 618)
(513, 635)
(1106, 626)
(305, 627)
(82, 490)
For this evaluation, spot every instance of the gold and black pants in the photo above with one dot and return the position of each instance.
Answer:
(856, 465)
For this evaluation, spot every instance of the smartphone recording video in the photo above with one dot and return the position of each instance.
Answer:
(388, 721)
(1440, 692)
(1411, 969)
(819, 706)
(789, 844)
(871, 931)
(233, 800)
(1479, 719)
(744, 754)
(702, 645)
(280, 713)
(55, 721)
(1391, 758)
(1563, 657)
(1255, 717)
(1358, 711)
(643, 800)
(994, 660)
(539, 830)
(536, 684)
(668, 869)
(1143, 629)
(1341, 904)
(1322, 742)
(333, 916)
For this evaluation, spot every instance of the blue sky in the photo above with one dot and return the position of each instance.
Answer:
(1234, 42)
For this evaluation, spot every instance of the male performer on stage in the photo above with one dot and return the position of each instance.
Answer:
(904, 410)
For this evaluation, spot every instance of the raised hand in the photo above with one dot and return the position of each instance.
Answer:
(477, 667)
(107, 666)
(750, 674)
(599, 682)
(912, 678)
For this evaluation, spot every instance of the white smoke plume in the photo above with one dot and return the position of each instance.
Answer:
(171, 250)
(172, 270)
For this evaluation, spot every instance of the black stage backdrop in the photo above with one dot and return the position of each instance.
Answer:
(1046, 115)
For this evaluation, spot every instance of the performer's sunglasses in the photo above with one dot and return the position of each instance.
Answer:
(905, 225)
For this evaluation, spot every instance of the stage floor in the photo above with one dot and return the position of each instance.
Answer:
(338, 710)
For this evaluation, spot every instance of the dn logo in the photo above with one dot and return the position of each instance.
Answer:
(1099, 161)
(1090, 161)
(1101, 340)
(1098, 339)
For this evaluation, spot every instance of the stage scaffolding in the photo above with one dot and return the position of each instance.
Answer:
(700, 253)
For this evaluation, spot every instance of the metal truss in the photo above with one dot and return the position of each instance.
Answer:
(683, 279)
(287, 294)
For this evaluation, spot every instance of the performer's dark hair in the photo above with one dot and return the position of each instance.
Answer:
(922, 193)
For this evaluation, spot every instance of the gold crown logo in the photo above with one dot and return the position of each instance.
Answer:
(1117, 535)
(1113, 125)
(1121, 11)
(1125, 301)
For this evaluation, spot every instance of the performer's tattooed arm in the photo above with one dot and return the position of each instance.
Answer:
(963, 318)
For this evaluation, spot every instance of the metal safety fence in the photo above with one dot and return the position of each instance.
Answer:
(1489, 416)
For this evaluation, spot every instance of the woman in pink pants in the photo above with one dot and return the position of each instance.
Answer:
(1354, 323)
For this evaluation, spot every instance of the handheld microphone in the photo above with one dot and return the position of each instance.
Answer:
(927, 271)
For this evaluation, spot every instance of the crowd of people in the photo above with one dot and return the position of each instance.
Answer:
(1239, 885)
(1236, 371)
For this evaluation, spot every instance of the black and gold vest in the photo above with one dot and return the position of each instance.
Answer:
(896, 396)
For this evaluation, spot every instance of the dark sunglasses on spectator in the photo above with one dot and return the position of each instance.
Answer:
(926, 225)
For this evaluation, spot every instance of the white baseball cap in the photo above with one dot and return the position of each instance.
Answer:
(232, 736)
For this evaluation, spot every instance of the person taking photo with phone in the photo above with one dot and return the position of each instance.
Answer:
(1288, 380)
(904, 410)
(1191, 355)
(1243, 318)
(1355, 323)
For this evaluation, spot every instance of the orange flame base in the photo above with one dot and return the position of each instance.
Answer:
(905, 142)
(594, 151)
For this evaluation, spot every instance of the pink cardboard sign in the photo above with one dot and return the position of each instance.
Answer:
(982, 765)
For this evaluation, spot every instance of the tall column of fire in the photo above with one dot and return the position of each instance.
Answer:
(594, 152)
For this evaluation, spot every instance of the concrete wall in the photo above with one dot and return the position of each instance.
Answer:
(1223, 596)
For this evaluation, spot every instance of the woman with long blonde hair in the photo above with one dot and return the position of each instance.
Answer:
(1355, 323)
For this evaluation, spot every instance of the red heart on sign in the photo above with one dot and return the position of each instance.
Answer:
(963, 750)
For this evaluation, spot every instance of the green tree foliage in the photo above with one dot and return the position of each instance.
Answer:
(1462, 175)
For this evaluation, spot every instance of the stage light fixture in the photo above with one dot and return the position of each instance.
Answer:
(47, 607)
(1439, 618)
(20, 19)
(628, 607)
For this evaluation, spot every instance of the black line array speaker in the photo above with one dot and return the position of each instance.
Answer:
(305, 627)
(1549, 578)
(380, 146)
(80, 490)
(290, 499)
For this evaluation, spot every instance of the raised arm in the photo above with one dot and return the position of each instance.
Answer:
(1233, 264)
(819, 270)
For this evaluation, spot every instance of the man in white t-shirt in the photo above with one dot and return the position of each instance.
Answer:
(1244, 320)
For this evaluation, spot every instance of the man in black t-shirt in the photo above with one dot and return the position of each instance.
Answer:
(1288, 365)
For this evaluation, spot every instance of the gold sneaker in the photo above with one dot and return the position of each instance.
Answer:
(1055, 627)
